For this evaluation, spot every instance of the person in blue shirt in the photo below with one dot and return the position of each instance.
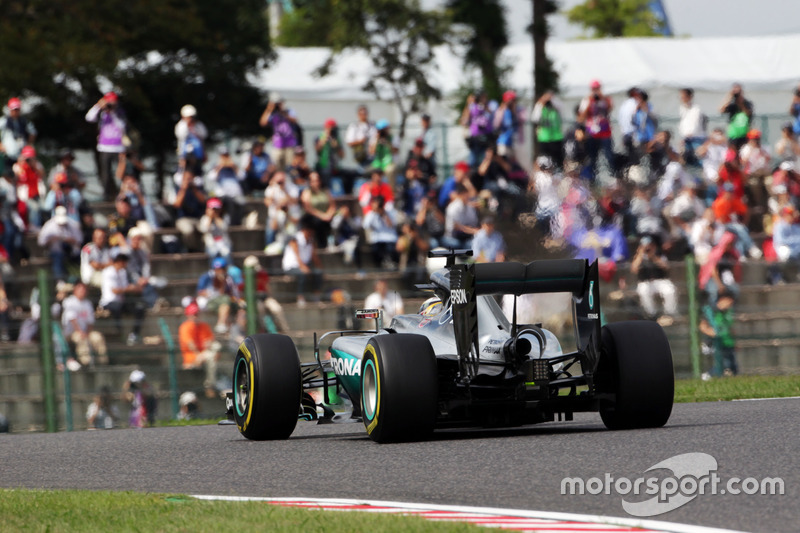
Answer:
(506, 123)
(488, 246)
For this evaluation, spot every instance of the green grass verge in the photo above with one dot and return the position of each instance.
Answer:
(67, 511)
(735, 388)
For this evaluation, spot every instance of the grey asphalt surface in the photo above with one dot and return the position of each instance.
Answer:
(518, 468)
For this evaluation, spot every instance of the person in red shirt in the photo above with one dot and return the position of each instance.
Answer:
(30, 186)
(198, 347)
(375, 187)
(728, 204)
(731, 172)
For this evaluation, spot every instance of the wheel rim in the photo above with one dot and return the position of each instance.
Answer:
(370, 389)
(241, 387)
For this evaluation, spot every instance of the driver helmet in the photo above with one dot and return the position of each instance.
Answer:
(431, 307)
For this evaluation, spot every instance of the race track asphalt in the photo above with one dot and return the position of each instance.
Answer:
(519, 468)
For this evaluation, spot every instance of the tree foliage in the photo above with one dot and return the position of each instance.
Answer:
(398, 36)
(485, 40)
(159, 55)
(616, 18)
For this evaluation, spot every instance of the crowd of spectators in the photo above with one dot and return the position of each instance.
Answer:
(642, 194)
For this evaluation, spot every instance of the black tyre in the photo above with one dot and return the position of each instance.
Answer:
(267, 387)
(399, 388)
(636, 366)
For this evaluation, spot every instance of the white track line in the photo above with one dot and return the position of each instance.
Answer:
(764, 399)
(539, 521)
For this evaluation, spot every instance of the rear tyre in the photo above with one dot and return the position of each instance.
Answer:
(635, 366)
(399, 388)
(267, 387)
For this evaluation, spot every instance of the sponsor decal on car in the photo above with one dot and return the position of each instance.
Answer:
(349, 366)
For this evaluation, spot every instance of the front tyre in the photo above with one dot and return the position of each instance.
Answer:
(399, 388)
(267, 387)
(636, 367)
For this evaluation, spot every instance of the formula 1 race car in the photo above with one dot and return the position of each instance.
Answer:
(460, 362)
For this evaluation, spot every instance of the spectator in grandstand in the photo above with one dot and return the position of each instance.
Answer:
(284, 138)
(645, 124)
(731, 172)
(139, 270)
(317, 201)
(652, 271)
(359, 135)
(258, 167)
(686, 206)
(198, 347)
(347, 235)
(188, 406)
(712, 156)
(329, 151)
(29, 174)
(418, 161)
(16, 131)
(429, 140)
(705, 233)
(119, 295)
(461, 221)
(723, 269)
(476, 118)
(412, 249)
(10, 220)
(141, 208)
(728, 207)
(506, 123)
(461, 176)
(217, 292)
(646, 214)
(674, 179)
(102, 413)
(414, 189)
(543, 185)
(299, 170)
(111, 133)
(66, 160)
(214, 227)
(492, 176)
(376, 186)
(131, 165)
(190, 132)
(62, 238)
(546, 118)
(142, 399)
(794, 111)
(121, 221)
(756, 164)
(95, 257)
(190, 202)
(594, 112)
(381, 233)
(390, 302)
(787, 148)
(300, 260)
(604, 242)
(228, 186)
(576, 150)
(625, 120)
(786, 235)
(488, 246)
(77, 319)
(430, 220)
(283, 209)
(382, 149)
(740, 114)
(692, 126)
(718, 323)
(63, 193)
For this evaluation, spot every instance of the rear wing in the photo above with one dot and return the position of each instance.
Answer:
(462, 283)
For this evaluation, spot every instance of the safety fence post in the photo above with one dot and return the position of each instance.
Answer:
(173, 370)
(58, 333)
(694, 339)
(48, 360)
(250, 299)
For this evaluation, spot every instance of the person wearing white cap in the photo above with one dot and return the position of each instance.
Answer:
(191, 132)
(62, 237)
(139, 394)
